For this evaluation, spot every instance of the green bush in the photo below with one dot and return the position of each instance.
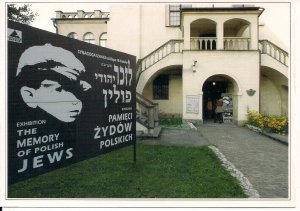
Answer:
(269, 123)
(166, 119)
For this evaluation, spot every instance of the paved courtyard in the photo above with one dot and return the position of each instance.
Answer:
(178, 137)
(262, 160)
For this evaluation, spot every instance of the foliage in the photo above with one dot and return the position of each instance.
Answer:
(21, 14)
(160, 172)
(173, 120)
(270, 123)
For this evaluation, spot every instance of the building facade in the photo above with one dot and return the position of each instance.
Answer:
(188, 55)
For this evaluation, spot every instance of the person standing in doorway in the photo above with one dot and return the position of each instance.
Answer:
(209, 108)
(219, 111)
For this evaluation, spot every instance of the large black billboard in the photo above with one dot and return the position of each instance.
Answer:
(67, 101)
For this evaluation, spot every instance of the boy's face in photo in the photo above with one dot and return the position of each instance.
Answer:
(57, 91)
(58, 102)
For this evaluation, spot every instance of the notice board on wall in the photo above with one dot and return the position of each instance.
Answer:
(67, 101)
(192, 104)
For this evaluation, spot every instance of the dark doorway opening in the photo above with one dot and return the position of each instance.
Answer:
(212, 91)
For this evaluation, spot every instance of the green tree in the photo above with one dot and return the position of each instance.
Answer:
(21, 14)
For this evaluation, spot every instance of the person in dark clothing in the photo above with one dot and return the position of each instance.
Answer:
(209, 108)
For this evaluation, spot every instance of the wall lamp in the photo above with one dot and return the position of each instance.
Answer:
(250, 92)
(194, 65)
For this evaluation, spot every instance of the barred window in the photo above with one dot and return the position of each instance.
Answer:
(174, 18)
(161, 87)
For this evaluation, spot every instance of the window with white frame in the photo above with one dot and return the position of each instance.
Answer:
(173, 18)
(89, 38)
(103, 39)
(174, 14)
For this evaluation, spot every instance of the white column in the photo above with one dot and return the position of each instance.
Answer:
(187, 35)
(220, 35)
(201, 107)
(254, 35)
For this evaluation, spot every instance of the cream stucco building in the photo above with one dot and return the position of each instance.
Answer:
(187, 54)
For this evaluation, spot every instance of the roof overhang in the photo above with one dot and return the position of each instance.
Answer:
(218, 9)
(253, 10)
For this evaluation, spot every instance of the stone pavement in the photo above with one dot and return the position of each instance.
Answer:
(177, 137)
(262, 160)
(281, 138)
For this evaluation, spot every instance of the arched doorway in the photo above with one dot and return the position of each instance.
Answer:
(214, 88)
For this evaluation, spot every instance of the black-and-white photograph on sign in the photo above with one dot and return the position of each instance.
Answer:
(227, 106)
(67, 101)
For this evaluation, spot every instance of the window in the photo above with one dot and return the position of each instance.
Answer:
(73, 35)
(103, 39)
(161, 87)
(89, 38)
(174, 14)
(174, 19)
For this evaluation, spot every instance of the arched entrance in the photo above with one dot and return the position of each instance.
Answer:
(214, 88)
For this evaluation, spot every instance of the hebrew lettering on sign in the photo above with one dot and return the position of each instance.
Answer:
(116, 96)
(128, 96)
(124, 75)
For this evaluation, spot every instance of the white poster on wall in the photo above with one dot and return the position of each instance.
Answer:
(192, 104)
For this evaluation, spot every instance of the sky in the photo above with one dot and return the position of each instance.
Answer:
(276, 15)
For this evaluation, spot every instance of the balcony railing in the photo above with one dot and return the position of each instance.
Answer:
(210, 43)
(203, 43)
(172, 46)
(236, 43)
(267, 47)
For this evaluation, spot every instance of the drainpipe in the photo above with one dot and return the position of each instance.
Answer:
(55, 26)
